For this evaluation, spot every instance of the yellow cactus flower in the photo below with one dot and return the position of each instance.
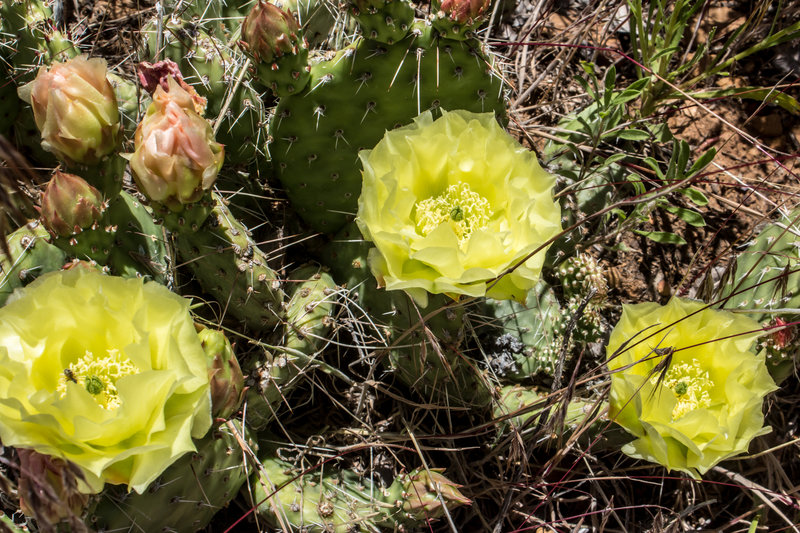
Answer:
(686, 384)
(176, 157)
(452, 203)
(75, 108)
(108, 373)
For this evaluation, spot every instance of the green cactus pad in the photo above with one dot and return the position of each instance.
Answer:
(353, 99)
(140, 248)
(525, 339)
(765, 284)
(383, 21)
(31, 256)
(332, 499)
(308, 322)
(231, 267)
(186, 496)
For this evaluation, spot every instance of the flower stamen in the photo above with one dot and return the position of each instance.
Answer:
(691, 385)
(98, 375)
(459, 206)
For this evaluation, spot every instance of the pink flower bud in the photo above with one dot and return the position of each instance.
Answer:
(464, 11)
(75, 108)
(176, 157)
(69, 204)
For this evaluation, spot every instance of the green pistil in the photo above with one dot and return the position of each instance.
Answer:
(94, 385)
(459, 206)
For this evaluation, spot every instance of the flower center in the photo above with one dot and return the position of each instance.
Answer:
(98, 375)
(459, 206)
(690, 384)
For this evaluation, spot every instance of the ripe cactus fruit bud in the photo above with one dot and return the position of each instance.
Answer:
(75, 109)
(273, 39)
(456, 18)
(176, 157)
(70, 205)
(226, 378)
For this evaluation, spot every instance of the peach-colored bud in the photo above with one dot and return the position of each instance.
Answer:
(69, 204)
(176, 157)
(75, 109)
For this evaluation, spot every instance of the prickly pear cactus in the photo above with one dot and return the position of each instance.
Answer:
(338, 500)
(765, 284)
(38, 42)
(230, 266)
(187, 495)
(385, 21)
(31, 256)
(308, 322)
(421, 345)
(353, 98)
(529, 340)
(140, 247)
(215, 71)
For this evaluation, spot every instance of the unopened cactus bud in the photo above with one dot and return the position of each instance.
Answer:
(50, 490)
(273, 39)
(422, 490)
(176, 159)
(269, 32)
(457, 19)
(463, 11)
(70, 205)
(226, 378)
(75, 109)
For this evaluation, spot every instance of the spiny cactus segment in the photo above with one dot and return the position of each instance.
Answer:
(764, 284)
(31, 256)
(187, 495)
(334, 499)
(353, 98)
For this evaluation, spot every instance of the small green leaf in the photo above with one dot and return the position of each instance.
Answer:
(633, 134)
(695, 196)
(690, 216)
(619, 212)
(702, 162)
(614, 158)
(634, 90)
(661, 237)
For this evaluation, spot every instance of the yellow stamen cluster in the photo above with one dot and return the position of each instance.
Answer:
(98, 375)
(690, 385)
(459, 206)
